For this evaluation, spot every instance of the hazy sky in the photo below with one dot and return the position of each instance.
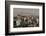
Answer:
(25, 11)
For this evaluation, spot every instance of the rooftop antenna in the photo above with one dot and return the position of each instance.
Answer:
(21, 12)
(33, 12)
